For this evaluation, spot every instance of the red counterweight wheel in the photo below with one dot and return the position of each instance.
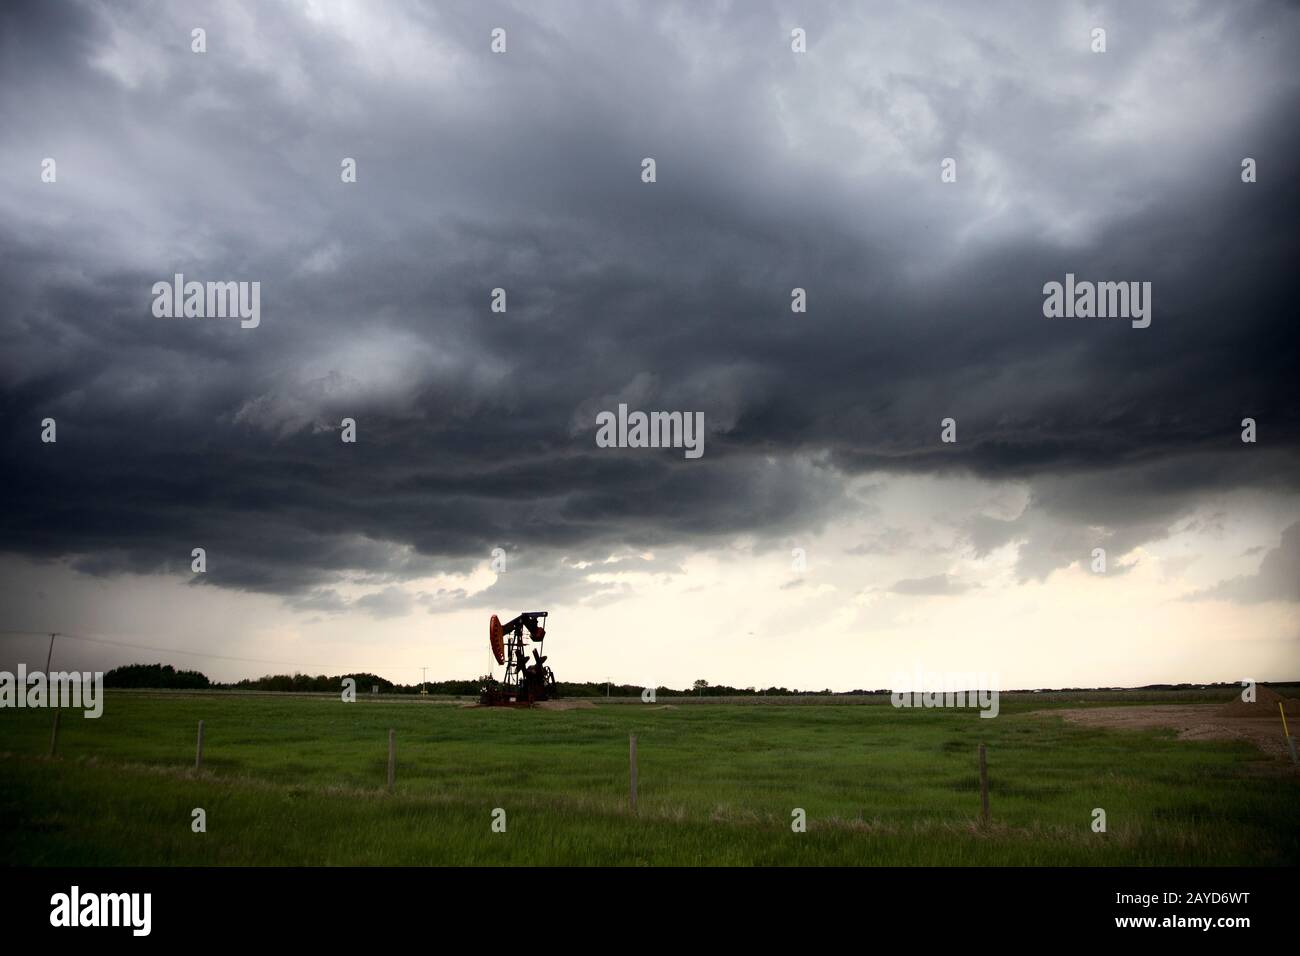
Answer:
(497, 638)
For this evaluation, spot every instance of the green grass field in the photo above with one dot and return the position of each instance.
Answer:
(301, 780)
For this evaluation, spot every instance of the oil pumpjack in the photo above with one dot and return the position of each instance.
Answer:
(525, 682)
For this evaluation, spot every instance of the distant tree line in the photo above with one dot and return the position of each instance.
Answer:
(701, 688)
(306, 683)
(155, 676)
(167, 677)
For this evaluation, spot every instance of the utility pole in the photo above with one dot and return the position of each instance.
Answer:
(54, 733)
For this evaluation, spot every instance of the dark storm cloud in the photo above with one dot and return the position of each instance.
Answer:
(476, 430)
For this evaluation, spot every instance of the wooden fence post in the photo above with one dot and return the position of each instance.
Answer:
(392, 758)
(198, 749)
(631, 755)
(984, 785)
(1286, 732)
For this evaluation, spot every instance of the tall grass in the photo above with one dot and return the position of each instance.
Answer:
(300, 780)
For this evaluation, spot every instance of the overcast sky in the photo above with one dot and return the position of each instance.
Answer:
(476, 430)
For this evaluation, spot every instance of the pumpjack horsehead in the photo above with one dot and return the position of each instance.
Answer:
(525, 682)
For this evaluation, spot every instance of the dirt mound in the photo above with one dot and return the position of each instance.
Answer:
(547, 705)
(564, 704)
(1191, 721)
(1264, 705)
